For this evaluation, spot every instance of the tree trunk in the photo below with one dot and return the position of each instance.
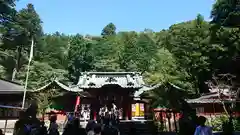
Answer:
(17, 62)
(223, 104)
(14, 74)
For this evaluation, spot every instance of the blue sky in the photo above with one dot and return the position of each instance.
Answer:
(90, 16)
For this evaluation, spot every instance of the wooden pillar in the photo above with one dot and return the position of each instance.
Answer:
(126, 112)
(125, 108)
(129, 110)
(93, 109)
(147, 111)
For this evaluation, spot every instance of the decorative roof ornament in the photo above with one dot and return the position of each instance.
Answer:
(130, 84)
(91, 84)
(82, 79)
(111, 79)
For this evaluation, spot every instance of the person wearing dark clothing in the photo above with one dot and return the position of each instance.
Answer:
(67, 129)
(53, 128)
(1, 132)
(97, 129)
(185, 125)
(81, 131)
(187, 122)
(74, 128)
(19, 125)
(108, 129)
(90, 127)
(28, 124)
(43, 130)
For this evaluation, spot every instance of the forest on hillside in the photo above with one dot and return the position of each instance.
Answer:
(188, 54)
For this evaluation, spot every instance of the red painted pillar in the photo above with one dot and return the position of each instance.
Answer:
(78, 100)
(95, 102)
(95, 115)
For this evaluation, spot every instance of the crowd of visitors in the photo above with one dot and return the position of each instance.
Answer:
(28, 124)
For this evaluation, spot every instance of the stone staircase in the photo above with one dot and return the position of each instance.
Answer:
(142, 127)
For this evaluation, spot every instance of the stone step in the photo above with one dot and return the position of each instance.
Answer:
(142, 128)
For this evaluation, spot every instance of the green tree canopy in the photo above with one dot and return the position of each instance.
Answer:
(109, 30)
(80, 57)
(226, 13)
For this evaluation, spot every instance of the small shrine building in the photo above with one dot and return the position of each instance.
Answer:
(212, 103)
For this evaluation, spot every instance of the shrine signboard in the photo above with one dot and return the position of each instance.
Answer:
(138, 110)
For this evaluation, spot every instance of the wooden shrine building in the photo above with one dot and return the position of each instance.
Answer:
(97, 89)
(212, 103)
(11, 94)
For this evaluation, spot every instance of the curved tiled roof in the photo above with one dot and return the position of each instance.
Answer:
(123, 79)
(212, 97)
(156, 86)
(100, 79)
(72, 88)
(9, 87)
(89, 80)
(203, 101)
(61, 85)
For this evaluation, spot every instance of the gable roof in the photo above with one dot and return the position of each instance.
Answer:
(61, 85)
(212, 97)
(10, 87)
(146, 88)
